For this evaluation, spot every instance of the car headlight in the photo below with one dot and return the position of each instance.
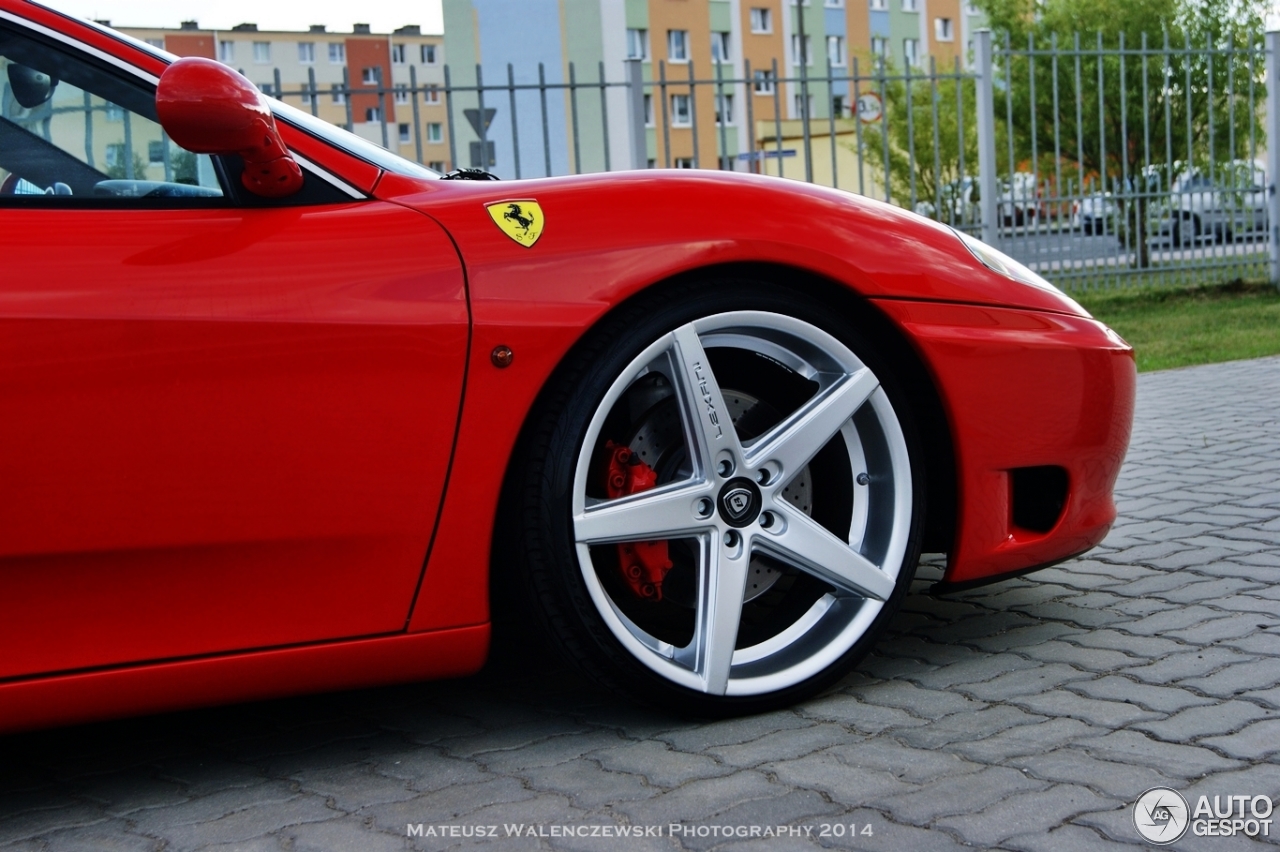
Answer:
(998, 261)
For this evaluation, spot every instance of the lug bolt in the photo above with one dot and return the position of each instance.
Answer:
(762, 476)
(725, 467)
(704, 508)
(766, 519)
(863, 479)
(731, 538)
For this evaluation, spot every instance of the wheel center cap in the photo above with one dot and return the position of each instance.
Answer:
(739, 502)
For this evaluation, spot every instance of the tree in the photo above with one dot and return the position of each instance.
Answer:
(932, 141)
(1133, 120)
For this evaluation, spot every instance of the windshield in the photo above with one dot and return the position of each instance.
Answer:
(305, 121)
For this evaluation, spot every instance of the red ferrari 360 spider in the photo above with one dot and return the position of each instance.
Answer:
(279, 410)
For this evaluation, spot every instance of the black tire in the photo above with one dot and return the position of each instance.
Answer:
(601, 620)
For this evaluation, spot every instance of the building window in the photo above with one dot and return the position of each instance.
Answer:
(879, 5)
(680, 114)
(373, 114)
(306, 52)
(909, 6)
(720, 47)
(724, 109)
(155, 152)
(880, 47)
(834, 4)
(397, 54)
(837, 106)
(262, 51)
(435, 132)
(835, 51)
(308, 100)
(432, 95)
(371, 76)
(436, 165)
(401, 94)
(227, 51)
(339, 96)
(678, 45)
(942, 29)
(637, 44)
(114, 113)
(970, 8)
(800, 103)
(764, 82)
(404, 133)
(268, 90)
(115, 155)
(337, 53)
(428, 54)
(683, 162)
(911, 51)
(795, 50)
(761, 21)
(648, 110)
(156, 42)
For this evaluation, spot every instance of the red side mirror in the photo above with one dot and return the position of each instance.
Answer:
(207, 108)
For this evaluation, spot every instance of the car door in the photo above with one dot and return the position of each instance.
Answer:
(224, 424)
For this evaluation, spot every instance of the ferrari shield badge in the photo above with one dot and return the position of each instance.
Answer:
(522, 221)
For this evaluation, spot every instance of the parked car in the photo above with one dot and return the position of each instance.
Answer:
(1019, 200)
(281, 409)
(1221, 205)
(1095, 214)
(959, 203)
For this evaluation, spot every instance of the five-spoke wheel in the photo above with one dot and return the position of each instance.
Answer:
(741, 512)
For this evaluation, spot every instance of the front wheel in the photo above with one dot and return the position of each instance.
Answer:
(721, 508)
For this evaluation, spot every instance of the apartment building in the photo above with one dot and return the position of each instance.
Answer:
(386, 87)
(539, 44)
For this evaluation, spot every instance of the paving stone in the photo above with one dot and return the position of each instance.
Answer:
(967, 726)
(1104, 714)
(957, 795)
(1025, 739)
(587, 785)
(1237, 678)
(841, 781)
(112, 836)
(1188, 664)
(1072, 765)
(1255, 741)
(734, 731)
(346, 834)
(700, 799)
(659, 764)
(1164, 699)
(1024, 682)
(860, 716)
(886, 836)
(1199, 722)
(1025, 813)
(918, 702)
(352, 787)
(1064, 838)
(1162, 623)
(981, 667)
(1232, 627)
(784, 745)
(243, 825)
(1027, 637)
(903, 762)
(1169, 758)
(1139, 646)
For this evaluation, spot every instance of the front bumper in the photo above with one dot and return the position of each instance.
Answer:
(1024, 389)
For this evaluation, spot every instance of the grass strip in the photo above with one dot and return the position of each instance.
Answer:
(1181, 326)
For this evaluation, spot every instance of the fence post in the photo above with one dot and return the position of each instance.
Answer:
(635, 113)
(1273, 152)
(986, 107)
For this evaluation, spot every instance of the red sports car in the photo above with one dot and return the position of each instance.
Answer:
(279, 410)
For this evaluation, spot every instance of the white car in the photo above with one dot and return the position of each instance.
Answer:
(1221, 205)
(1095, 214)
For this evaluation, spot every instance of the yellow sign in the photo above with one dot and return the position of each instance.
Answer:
(522, 221)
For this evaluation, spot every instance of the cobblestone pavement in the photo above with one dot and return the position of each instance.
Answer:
(1026, 716)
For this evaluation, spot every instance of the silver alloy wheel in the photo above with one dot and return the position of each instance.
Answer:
(699, 504)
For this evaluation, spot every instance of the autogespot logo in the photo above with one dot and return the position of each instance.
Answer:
(1160, 815)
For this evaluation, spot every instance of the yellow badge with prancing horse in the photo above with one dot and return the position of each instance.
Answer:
(522, 221)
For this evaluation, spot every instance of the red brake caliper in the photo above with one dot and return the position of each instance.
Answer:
(644, 564)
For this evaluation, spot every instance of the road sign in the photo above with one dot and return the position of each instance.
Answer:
(870, 108)
(473, 116)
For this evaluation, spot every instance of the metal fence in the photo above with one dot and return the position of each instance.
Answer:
(1097, 165)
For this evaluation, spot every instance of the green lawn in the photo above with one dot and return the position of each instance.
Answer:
(1181, 326)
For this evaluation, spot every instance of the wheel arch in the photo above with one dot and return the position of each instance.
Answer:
(917, 381)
